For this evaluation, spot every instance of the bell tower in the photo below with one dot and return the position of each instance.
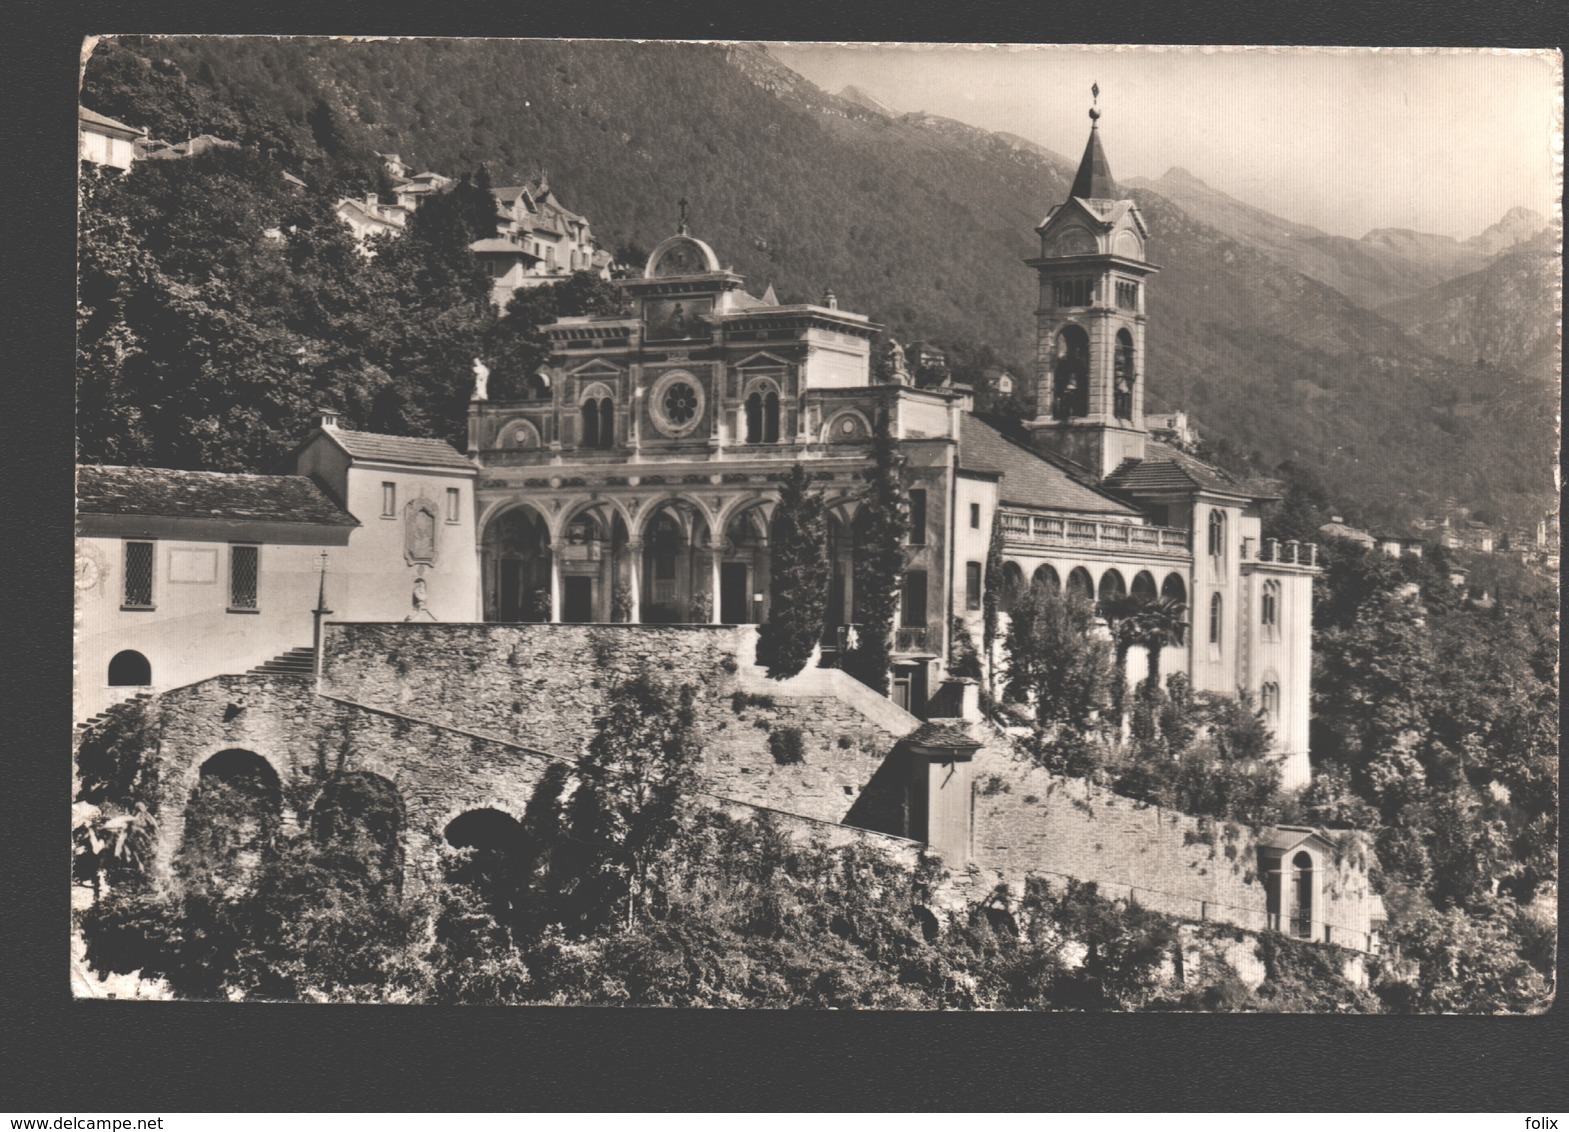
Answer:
(1089, 359)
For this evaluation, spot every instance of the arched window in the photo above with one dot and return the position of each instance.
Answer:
(762, 417)
(1214, 620)
(1269, 610)
(1269, 700)
(1123, 377)
(599, 423)
(1302, 906)
(1047, 577)
(1217, 533)
(129, 669)
(1071, 374)
(1079, 583)
(607, 423)
(590, 435)
(1174, 588)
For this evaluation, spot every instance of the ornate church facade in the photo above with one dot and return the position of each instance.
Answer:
(637, 482)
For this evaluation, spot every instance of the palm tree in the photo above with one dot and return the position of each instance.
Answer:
(1156, 625)
(1121, 613)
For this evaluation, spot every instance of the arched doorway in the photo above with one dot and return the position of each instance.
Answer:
(362, 815)
(595, 568)
(1302, 895)
(130, 669)
(516, 563)
(744, 567)
(677, 566)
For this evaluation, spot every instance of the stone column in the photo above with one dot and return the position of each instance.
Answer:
(635, 580)
(555, 583)
(716, 555)
(941, 757)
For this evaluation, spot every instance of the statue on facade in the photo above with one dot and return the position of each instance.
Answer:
(898, 364)
(481, 381)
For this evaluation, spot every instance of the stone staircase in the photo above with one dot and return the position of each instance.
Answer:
(89, 724)
(296, 662)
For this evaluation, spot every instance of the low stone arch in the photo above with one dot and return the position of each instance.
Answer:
(572, 511)
(357, 805)
(129, 669)
(232, 814)
(651, 507)
(483, 827)
(501, 507)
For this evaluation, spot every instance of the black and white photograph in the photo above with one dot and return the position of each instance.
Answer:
(825, 526)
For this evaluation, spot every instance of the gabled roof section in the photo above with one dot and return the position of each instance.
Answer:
(103, 489)
(1093, 180)
(418, 451)
(1029, 479)
(103, 121)
(1285, 838)
(1165, 468)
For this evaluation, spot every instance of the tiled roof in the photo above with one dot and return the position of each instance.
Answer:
(1029, 479)
(108, 490)
(93, 118)
(1165, 468)
(399, 449)
(498, 244)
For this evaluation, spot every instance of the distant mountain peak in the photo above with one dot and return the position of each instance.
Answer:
(1178, 173)
(1518, 225)
(867, 99)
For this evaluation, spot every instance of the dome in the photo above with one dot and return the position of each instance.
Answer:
(681, 255)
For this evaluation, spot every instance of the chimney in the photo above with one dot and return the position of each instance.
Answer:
(327, 418)
(831, 300)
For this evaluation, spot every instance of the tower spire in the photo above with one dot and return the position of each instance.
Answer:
(1094, 181)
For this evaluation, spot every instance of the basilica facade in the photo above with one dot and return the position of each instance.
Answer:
(637, 482)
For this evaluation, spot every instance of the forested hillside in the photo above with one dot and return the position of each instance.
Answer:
(919, 221)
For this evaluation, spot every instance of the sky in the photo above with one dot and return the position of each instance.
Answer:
(1346, 140)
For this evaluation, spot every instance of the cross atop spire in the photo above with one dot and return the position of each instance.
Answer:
(1094, 181)
(682, 229)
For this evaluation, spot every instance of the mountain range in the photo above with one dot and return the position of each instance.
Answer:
(1403, 368)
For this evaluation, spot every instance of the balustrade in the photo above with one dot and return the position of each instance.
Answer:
(1051, 530)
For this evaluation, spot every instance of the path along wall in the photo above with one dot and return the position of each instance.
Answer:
(545, 686)
(1027, 821)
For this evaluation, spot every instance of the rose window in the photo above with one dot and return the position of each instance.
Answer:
(680, 403)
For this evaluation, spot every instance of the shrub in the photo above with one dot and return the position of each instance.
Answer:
(786, 745)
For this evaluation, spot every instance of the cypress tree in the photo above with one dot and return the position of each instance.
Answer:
(798, 584)
(991, 597)
(879, 561)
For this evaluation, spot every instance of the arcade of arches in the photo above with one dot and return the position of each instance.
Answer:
(663, 567)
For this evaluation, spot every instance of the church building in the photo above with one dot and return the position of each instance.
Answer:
(637, 481)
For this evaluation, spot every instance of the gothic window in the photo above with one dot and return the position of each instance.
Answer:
(1214, 620)
(1269, 610)
(599, 423)
(607, 422)
(1217, 534)
(1071, 374)
(917, 517)
(138, 593)
(1123, 377)
(1269, 701)
(244, 568)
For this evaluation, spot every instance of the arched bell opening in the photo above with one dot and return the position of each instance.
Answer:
(1071, 374)
(1123, 377)
(515, 558)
